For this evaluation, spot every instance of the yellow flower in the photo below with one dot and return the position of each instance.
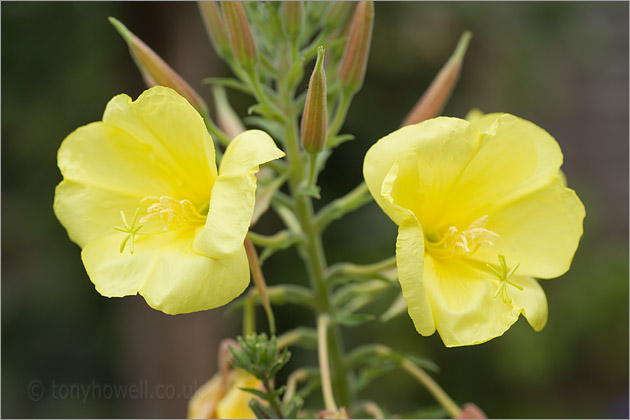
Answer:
(222, 398)
(482, 209)
(142, 197)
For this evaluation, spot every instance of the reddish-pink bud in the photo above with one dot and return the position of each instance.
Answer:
(432, 102)
(155, 71)
(243, 45)
(314, 118)
(354, 61)
(215, 26)
(471, 411)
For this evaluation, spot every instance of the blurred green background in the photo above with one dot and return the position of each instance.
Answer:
(562, 65)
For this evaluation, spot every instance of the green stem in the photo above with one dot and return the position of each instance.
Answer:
(324, 367)
(426, 381)
(312, 248)
(342, 109)
(273, 401)
(266, 240)
(343, 205)
(348, 269)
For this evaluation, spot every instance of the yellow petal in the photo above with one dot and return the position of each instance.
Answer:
(104, 156)
(441, 146)
(515, 157)
(235, 403)
(88, 212)
(233, 195)
(541, 231)
(410, 260)
(166, 271)
(175, 133)
(465, 310)
(204, 402)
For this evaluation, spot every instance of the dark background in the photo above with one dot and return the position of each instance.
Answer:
(563, 66)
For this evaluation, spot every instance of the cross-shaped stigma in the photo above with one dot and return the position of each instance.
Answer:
(131, 231)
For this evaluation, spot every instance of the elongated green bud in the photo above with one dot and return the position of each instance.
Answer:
(215, 26)
(315, 119)
(316, 11)
(243, 45)
(154, 70)
(293, 17)
(432, 102)
(354, 61)
(338, 14)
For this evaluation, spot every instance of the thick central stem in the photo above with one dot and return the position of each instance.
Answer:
(313, 253)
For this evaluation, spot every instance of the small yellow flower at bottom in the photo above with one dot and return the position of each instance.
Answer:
(222, 398)
(464, 194)
(154, 157)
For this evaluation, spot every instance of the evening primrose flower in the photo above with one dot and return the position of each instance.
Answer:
(222, 397)
(142, 197)
(481, 210)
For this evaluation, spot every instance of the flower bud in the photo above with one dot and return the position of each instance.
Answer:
(316, 11)
(215, 26)
(338, 14)
(314, 118)
(155, 71)
(432, 102)
(354, 61)
(293, 17)
(471, 411)
(227, 119)
(243, 45)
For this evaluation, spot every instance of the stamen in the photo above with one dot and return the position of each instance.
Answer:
(503, 277)
(466, 242)
(172, 213)
(130, 230)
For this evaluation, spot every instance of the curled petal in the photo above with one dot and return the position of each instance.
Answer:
(233, 195)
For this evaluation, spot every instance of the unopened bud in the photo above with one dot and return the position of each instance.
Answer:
(243, 45)
(293, 17)
(227, 119)
(314, 118)
(317, 10)
(471, 411)
(215, 26)
(354, 61)
(155, 71)
(338, 14)
(432, 102)
(341, 413)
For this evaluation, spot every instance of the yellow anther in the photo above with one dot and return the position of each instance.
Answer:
(465, 242)
(172, 213)
(503, 277)
(130, 230)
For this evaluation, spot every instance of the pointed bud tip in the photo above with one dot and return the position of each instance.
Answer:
(462, 45)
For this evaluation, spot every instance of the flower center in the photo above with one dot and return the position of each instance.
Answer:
(172, 213)
(461, 242)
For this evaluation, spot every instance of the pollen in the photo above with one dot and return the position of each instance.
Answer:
(503, 277)
(463, 242)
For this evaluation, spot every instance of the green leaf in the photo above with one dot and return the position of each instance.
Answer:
(260, 394)
(292, 407)
(337, 140)
(227, 82)
(260, 410)
(351, 320)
